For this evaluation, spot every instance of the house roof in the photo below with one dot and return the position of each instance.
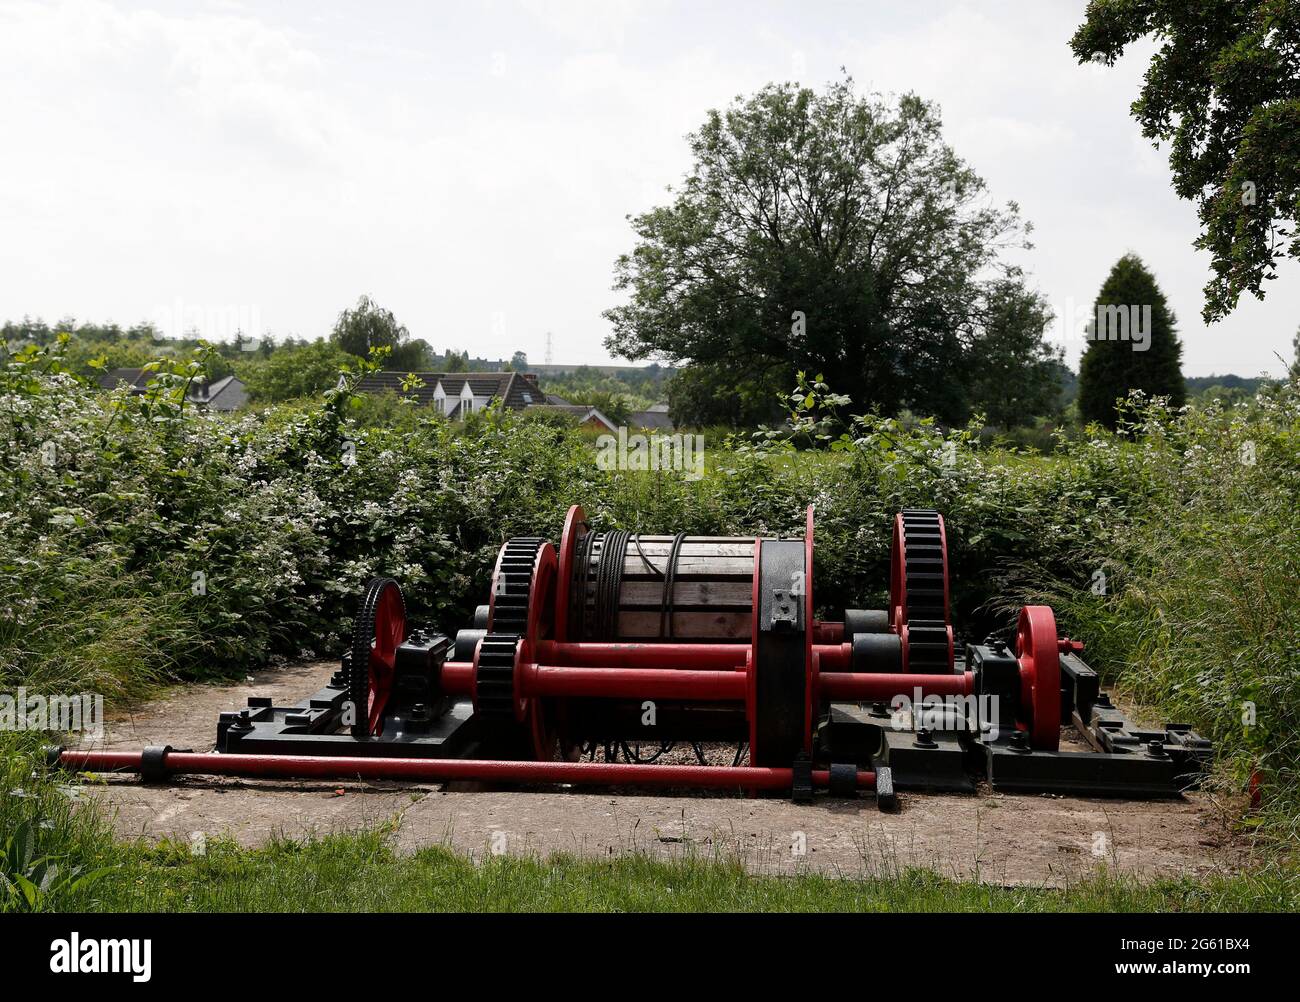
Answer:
(582, 412)
(653, 419)
(134, 378)
(516, 389)
(227, 393)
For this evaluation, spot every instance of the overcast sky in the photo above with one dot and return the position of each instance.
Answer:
(470, 166)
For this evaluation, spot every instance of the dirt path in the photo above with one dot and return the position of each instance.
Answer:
(997, 837)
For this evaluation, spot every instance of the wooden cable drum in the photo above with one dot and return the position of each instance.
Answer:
(640, 588)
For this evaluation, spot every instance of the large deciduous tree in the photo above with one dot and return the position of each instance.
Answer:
(368, 325)
(1112, 366)
(1224, 90)
(827, 233)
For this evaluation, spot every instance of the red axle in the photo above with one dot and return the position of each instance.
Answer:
(608, 682)
(445, 770)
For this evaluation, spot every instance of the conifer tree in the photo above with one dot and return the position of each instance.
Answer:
(1133, 345)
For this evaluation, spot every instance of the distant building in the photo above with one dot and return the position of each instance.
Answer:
(226, 394)
(656, 418)
(586, 417)
(457, 394)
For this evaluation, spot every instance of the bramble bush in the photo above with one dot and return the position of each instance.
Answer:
(142, 541)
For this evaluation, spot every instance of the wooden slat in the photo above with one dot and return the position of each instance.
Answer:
(687, 625)
(701, 566)
(709, 593)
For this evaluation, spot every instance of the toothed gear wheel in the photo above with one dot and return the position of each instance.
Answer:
(919, 589)
(494, 676)
(512, 585)
(379, 630)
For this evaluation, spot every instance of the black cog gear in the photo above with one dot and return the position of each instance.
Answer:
(494, 676)
(512, 584)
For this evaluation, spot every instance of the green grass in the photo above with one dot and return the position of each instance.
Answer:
(352, 873)
(361, 872)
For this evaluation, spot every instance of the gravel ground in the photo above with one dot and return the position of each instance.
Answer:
(1010, 839)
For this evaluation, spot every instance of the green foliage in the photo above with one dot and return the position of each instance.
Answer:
(828, 232)
(367, 326)
(641, 387)
(292, 372)
(613, 406)
(173, 545)
(1113, 368)
(718, 394)
(1018, 377)
(51, 855)
(29, 883)
(1223, 90)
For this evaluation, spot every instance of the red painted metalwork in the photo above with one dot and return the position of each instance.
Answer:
(834, 657)
(897, 579)
(542, 609)
(828, 633)
(718, 657)
(631, 683)
(575, 527)
(810, 664)
(1038, 649)
(751, 676)
(608, 682)
(863, 687)
(445, 770)
(390, 631)
(947, 597)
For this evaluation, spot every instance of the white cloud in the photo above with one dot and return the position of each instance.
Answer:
(463, 161)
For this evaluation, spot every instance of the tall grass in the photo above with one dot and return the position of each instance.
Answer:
(352, 873)
(1199, 616)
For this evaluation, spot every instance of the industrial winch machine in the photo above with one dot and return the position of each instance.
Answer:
(628, 646)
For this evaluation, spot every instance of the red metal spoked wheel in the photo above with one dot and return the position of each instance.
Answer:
(809, 662)
(751, 669)
(575, 527)
(543, 603)
(897, 579)
(1040, 675)
(379, 630)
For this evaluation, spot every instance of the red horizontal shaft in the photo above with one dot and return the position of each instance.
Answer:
(446, 770)
(834, 657)
(665, 655)
(828, 633)
(884, 687)
(457, 678)
(632, 683)
(608, 682)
